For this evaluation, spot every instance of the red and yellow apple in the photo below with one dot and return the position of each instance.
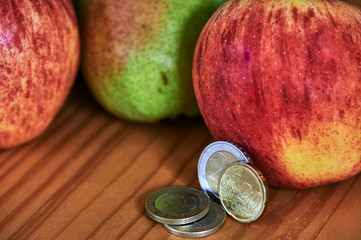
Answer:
(283, 79)
(39, 55)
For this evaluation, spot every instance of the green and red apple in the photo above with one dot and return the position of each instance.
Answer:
(39, 55)
(283, 79)
(137, 55)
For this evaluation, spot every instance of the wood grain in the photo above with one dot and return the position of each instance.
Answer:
(88, 175)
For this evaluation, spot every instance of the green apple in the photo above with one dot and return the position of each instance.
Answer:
(137, 55)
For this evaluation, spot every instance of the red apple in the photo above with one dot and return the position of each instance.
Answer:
(39, 55)
(283, 79)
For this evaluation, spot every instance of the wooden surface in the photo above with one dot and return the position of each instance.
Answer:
(88, 175)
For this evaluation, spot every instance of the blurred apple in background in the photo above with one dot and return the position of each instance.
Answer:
(39, 55)
(137, 55)
(283, 80)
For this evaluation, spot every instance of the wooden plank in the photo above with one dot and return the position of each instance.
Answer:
(345, 222)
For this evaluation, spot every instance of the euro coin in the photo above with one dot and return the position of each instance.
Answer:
(206, 226)
(177, 205)
(214, 158)
(242, 192)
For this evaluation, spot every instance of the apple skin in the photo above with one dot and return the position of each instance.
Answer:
(137, 55)
(283, 80)
(39, 58)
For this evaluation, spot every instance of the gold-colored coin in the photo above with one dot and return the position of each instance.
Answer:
(242, 192)
(215, 165)
(177, 205)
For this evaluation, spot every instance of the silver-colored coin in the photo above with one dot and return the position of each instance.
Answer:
(206, 226)
(214, 158)
(177, 205)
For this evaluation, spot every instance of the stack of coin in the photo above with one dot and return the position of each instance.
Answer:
(226, 175)
(185, 211)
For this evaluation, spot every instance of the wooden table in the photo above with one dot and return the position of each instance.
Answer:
(88, 175)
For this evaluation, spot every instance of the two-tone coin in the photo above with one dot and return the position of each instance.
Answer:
(214, 158)
(206, 226)
(177, 205)
(242, 192)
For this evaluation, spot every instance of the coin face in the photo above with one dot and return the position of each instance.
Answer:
(242, 192)
(214, 158)
(215, 165)
(177, 205)
(206, 226)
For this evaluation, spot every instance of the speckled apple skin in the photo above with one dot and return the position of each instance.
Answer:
(137, 55)
(39, 58)
(283, 80)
